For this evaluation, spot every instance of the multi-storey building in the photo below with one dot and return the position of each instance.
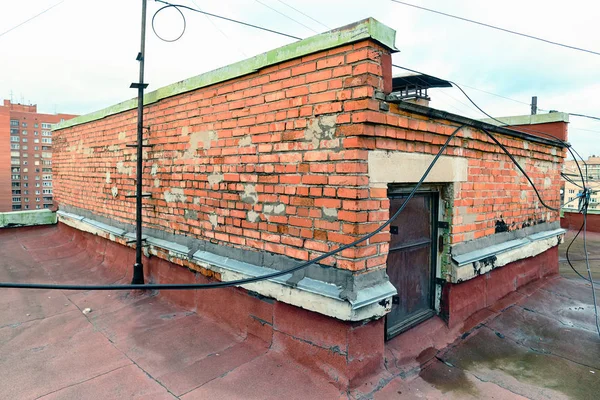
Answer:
(572, 182)
(26, 156)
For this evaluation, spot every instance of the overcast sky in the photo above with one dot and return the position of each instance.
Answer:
(80, 56)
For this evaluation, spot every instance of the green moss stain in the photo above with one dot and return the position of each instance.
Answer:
(446, 379)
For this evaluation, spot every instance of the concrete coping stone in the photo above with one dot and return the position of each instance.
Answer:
(491, 251)
(368, 28)
(366, 298)
(27, 218)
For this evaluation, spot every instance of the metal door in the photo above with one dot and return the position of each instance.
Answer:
(411, 261)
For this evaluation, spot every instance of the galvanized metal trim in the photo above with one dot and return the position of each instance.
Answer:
(364, 297)
(491, 251)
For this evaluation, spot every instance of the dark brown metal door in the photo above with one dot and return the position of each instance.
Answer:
(411, 261)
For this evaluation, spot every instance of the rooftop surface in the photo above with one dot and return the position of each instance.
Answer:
(537, 343)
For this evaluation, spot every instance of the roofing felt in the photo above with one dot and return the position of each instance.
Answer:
(538, 342)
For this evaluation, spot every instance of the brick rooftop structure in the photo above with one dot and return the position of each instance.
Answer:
(283, 157)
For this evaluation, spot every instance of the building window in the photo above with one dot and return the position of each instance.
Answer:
(24, 140)
(14, 122)
(24, 162)
(24, 133)
(16, 192)
(16, 177)
(25, 184)
(46, 133)
(47, 191)
(16, 199)
(37, 184)
(27, 206)
(14, 138)
(24, 124)
(47, 205)
(16, 184)
(37, 178)
(35, 126)
(24, 155)
(37, 199)
(26, 199)
(46, 177)
(47, 162)
(46, 126)
(47, 184)
(46, 140)
(36, 155)
(25, 147)
(14, 146)
(25, 191)
(16, 207)
(36, 148)
(46, 148)
(35, 133)
(25, 177)
(14, 131)
(36, 140)
(37, 207)
(15, 161)
(571, 191)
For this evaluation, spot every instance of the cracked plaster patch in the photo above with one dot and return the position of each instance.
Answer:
(322, 128)
(175, 195)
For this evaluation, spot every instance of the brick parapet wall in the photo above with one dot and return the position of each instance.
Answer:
(278, 161)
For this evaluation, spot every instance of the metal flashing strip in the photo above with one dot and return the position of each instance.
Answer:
(365, 297)
(491, 251)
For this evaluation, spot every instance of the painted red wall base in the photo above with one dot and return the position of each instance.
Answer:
(345, 352)
(459, 301)
(573, 221)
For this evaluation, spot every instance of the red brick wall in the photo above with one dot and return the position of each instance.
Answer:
(555, 129)
(255, 162)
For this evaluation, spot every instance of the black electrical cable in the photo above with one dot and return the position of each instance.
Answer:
(498, 28)
(182, 31)
(246, 280)
(512, 158)
(178, 6)
(567, 254)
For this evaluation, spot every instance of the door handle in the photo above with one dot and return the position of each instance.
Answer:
(441, 243)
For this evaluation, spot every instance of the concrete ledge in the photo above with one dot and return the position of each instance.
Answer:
(366, 29)
(469, 265)
(383, 168)
(310, 294)
(529, 119)
(27, 218)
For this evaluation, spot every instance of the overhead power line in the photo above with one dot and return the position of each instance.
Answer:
(585, 116)
(499, 28)
(286, 16)
(306, 15)
(167, 4)
(34, 17)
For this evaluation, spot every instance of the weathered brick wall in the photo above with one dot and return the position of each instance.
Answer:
(278, 161)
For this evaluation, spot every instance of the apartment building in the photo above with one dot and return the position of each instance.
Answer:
(26, 156)
(572, 182)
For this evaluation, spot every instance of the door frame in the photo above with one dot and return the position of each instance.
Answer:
(435, 191)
